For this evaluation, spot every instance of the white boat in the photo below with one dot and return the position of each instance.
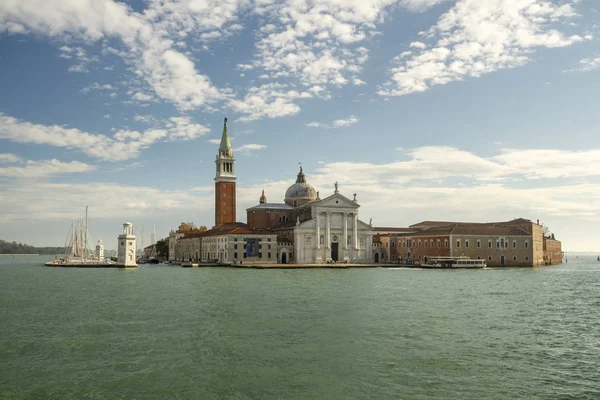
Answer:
(77, 253)
(453, 263)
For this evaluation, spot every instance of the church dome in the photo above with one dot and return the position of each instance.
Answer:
(300, 190)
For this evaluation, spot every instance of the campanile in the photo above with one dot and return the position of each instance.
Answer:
(225, 182)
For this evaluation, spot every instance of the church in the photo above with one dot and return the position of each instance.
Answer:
(304, 229)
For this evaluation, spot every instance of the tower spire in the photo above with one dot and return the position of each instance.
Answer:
(225, 147)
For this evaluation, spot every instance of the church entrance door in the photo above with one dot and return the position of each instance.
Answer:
(334, 251)
(283, 258)
(376, 257)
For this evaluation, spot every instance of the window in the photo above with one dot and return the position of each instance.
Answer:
(502, 242)
(479, 257)
(268, 240)
(489, 244)
(269, 247)
(490, 258)
(431, 243)
(235, 255)
(235, 239)
(393, 245)
(308, 241)
(458, 243)
(439, 242)
(122, 243)
(269, 254)
(446, 243)
(515, 258)
(478, 243)
(426, 244)
(526, 244)
(526, 258)
(419, 244)
(387, 244)
(260, 254)
(235, 246)
(466, 243)
(349, 240)
(497, 244)
(514, 244)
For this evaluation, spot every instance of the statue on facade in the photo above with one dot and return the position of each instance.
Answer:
(370, 221)
(336, 186)
(354, 199)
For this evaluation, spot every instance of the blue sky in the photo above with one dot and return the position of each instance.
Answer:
(462, 110)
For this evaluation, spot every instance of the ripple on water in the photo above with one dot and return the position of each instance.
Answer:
(305, 334)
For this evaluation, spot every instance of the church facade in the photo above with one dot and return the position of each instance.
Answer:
(311, 230)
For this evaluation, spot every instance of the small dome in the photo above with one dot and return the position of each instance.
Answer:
(300, 190)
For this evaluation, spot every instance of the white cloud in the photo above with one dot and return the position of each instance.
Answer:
(107, 116)
(96, 86)
(171, 74)
(270, 100)
(351, 120)
(141, 97)
(247, 148)
(478, 37)
(214, 141)
(7, 158)
(45, 168)
(125, 144)
(589, 64)
(418, 45)
(338, 123)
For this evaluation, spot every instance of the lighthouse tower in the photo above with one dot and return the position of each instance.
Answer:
(225, 182)
(126, 248)
(100, 251)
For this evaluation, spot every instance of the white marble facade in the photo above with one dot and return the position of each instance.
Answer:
(333, 234)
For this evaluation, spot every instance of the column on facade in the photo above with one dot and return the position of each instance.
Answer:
(355, 230)
(318, 229)
(345, 230)
(328, 230)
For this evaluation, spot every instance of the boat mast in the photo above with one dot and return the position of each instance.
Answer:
(85, 242)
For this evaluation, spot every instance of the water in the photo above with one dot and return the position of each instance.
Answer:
(209, 333)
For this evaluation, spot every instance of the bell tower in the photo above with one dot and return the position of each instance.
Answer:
(225, 182)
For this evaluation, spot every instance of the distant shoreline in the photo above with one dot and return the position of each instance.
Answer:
(20, 255)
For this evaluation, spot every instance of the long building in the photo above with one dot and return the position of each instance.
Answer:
(519, 242)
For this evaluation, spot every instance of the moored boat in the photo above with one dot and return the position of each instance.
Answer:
(453, 263)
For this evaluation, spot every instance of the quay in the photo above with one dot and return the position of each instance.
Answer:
(18, 255)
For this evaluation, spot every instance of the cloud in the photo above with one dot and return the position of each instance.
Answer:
(214, 141)
(475, 38)
(338, 123)
(171, 74)
(45, 168)
(7, 158)
(270, 100)
(125, 144)
(141, 97)
(351, 120)
(589, 64)
(248, 148)
(96, 86)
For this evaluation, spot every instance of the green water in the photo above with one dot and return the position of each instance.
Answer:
(208, 333)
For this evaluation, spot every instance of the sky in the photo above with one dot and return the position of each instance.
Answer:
(465, 110)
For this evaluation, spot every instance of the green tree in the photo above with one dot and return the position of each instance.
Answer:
(162, 248)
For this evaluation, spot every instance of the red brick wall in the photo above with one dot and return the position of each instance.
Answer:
(552, 251)
(224, 203)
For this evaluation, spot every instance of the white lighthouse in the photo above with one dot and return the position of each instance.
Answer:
(100, 251)
(126, 254)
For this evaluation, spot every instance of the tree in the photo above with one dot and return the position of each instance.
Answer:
(162, 248)
(546, 231)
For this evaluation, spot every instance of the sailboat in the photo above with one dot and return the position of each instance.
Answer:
(77, 253)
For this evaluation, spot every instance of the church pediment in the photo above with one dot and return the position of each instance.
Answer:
(337, 200)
